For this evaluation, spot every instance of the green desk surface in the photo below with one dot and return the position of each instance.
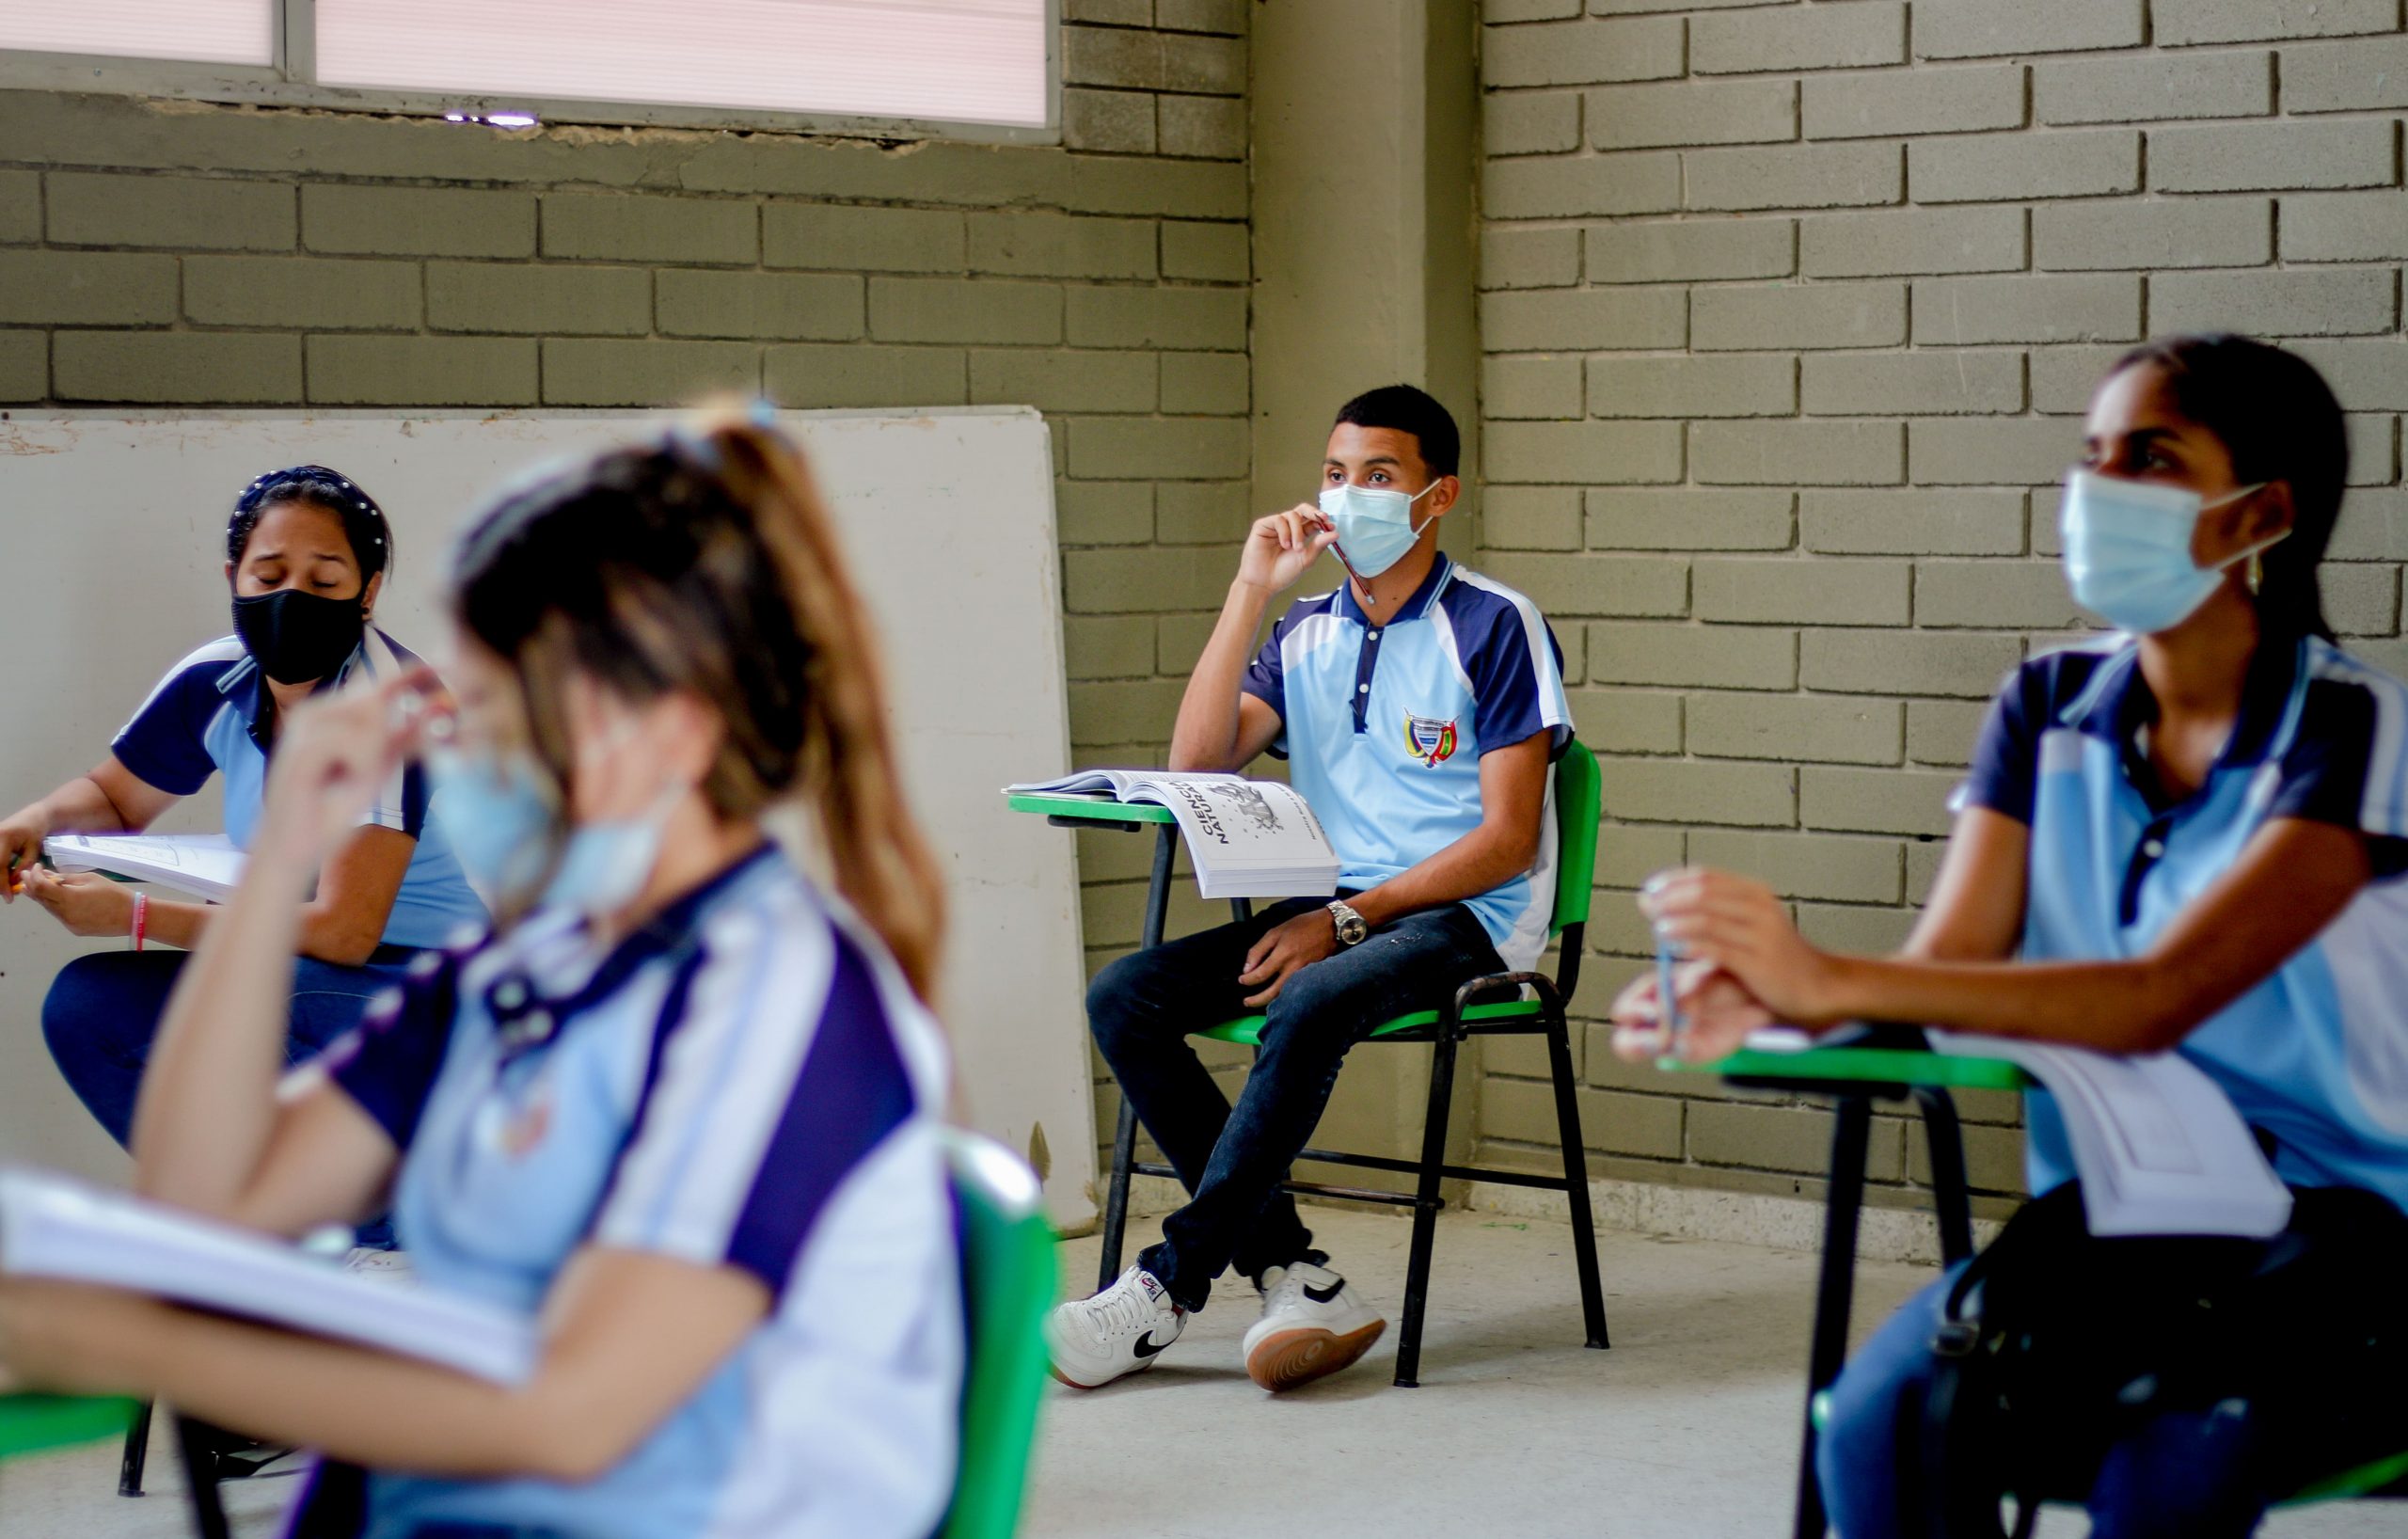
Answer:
(1875, 1065)
(31, 1423)
(1089, 809)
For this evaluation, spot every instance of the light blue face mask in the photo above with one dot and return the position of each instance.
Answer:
(2128, 550)
(1374, 525)
(502, 827)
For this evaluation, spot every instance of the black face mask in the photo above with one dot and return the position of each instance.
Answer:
(297, 637)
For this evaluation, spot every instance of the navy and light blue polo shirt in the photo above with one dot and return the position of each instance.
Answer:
(205, 717)
(1384, 727)
(745, 1082)
(2317, 1054)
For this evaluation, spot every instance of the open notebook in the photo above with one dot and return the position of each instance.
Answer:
(1246, 838)
(204, 865)
(52, 1226)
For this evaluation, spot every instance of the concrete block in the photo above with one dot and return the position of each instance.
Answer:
(1531, 122)
(514, 298)
(1583, 319)
(943, 310)
(1806, 176)
(20, 208)
(1213, 319)
(1580, 186)
(1059, 381)
(1031, 245)
(1206, 384)
(1614, 1122)
(1108, 122)
(1202, 512)
(1944, 732)
(2153, 87)
(370, 370)
(2361, 600)
(1528, 258)
(1994, 595)
(1874, 800)
(2180, 22)
(2154, 233)
(1140, 581)
(25, 366)
(2344, 227)
(1498, 11)
(1110, 13)
(2373, 525)
(334, 294)
(2277, 302)
(1993, 1158)
(1807, 866)
(1108, 513)
(615, 227)
(1582, 53)
(87, 288)
(1693, 657)
(176, 367)
(610, 372)
(2368, 376)
(810, 375)
(1101, 56)
(786, 306)
(1862, 33)
(1628, 855)
(1178, 639)
(1684, 791)
(1957, 382)
(1210, 127)
(1983, 28)
(197, 213)
(2064, 378)
(2083, 308)
(1687, 518)
(1207, 66)
(1911, 240)
(1854, 931)
(1921, 521)
(1820, 453)
(1211, 253)
(1124, 710)
(1185, 189)
(1999, 451)
(1789, 1139)
(1583, 454)
(1924, 857)
(1626, 720)
(1732, 385)
(1966, 100)
(2374, 451)
(1884, 663)
(842, 239)
(1220, 16)
(1633, 587)
(1530, 519)
(1807, 316)
(1690, 112)
(417, 221)
(1530, 387)
(2248, 157)
(1690, 250)
(1163, 447)
(2005, 168)
(1783, 590)
(2354, 76)
(1796, 728)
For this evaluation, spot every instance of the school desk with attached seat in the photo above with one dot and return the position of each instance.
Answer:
(1502, 1004)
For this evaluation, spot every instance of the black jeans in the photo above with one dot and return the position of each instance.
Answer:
(1231, 1160)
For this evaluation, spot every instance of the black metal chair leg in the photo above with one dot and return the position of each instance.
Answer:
(201, 1479)
(1576, 1181)
(137, 1455)
(1115, 1201)
(1425, 1206)
(1852, 1132)
(1952, 1205)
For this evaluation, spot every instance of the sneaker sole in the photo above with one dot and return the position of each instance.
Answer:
(1098, 1383)
(1287, 1358)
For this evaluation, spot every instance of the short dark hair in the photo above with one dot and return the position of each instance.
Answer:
(1406, 409)
(363, 521)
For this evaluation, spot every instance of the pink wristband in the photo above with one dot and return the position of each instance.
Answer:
(141, 918)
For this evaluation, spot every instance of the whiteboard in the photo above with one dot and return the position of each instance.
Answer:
(114, 531)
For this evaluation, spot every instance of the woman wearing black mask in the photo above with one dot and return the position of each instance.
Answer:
(307, 552)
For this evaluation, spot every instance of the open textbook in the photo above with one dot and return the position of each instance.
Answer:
(52, 1226)
(204, 865)
(1247, 838)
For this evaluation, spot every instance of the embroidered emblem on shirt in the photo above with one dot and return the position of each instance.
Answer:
(1429, 740)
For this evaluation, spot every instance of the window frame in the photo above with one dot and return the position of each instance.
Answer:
(288, 81)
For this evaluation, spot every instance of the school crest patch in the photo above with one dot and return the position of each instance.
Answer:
(1429, 740)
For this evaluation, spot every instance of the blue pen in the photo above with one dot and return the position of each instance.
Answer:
(1667, 1005)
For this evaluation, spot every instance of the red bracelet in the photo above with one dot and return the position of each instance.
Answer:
(141, 918)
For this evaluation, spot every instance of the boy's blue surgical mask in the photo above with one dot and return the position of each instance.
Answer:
(2128, 550)
(1374, 525)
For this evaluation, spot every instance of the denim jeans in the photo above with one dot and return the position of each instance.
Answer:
(1232, 1159)
(103, 1010)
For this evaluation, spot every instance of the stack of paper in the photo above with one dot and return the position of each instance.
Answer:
(1246, 838)
(204, 865)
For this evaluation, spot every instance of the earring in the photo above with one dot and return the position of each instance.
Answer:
(2257, 571)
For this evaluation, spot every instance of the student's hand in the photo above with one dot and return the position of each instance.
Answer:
(1284, 951)
(331, 756)
(21, 839)
(85, 902)
(71, 1337)
(1719, 1011)
(1281, 547)
(1738, 926)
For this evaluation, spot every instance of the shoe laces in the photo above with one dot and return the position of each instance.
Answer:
(1120, 1309)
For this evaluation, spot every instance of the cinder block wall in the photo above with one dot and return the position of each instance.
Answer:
(1791, 310)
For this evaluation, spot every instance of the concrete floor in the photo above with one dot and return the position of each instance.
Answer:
(1687, 1429)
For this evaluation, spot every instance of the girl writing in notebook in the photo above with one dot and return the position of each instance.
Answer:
(2187, 835)
(682, 1109)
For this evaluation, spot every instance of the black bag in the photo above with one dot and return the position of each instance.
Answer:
(2054, 1345)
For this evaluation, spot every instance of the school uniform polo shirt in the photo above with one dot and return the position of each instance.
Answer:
(1383, 728)
(205, 717)
(2317, 1054)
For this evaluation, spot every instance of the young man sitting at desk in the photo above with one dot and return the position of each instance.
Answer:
(1420, 706)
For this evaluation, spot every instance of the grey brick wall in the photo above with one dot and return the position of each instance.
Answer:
(1791, 308)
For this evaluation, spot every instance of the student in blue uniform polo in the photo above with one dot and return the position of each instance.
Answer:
(682, 1112)
(1419, 707)
(306, 555)
(2186, 835)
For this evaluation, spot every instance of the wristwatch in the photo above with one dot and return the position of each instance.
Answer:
(1350, 928)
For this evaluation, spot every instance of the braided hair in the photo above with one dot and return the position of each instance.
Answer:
(363, 522)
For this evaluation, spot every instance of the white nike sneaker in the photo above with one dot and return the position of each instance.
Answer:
(1094, 1340)
(1312, 1325)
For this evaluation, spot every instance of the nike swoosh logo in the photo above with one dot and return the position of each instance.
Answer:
(1323, 1295)
(1146, 1346)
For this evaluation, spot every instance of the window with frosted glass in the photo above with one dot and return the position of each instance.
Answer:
(205, 31)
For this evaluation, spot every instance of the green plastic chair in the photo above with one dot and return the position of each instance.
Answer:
(31, 1423)
(1503, 1003)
